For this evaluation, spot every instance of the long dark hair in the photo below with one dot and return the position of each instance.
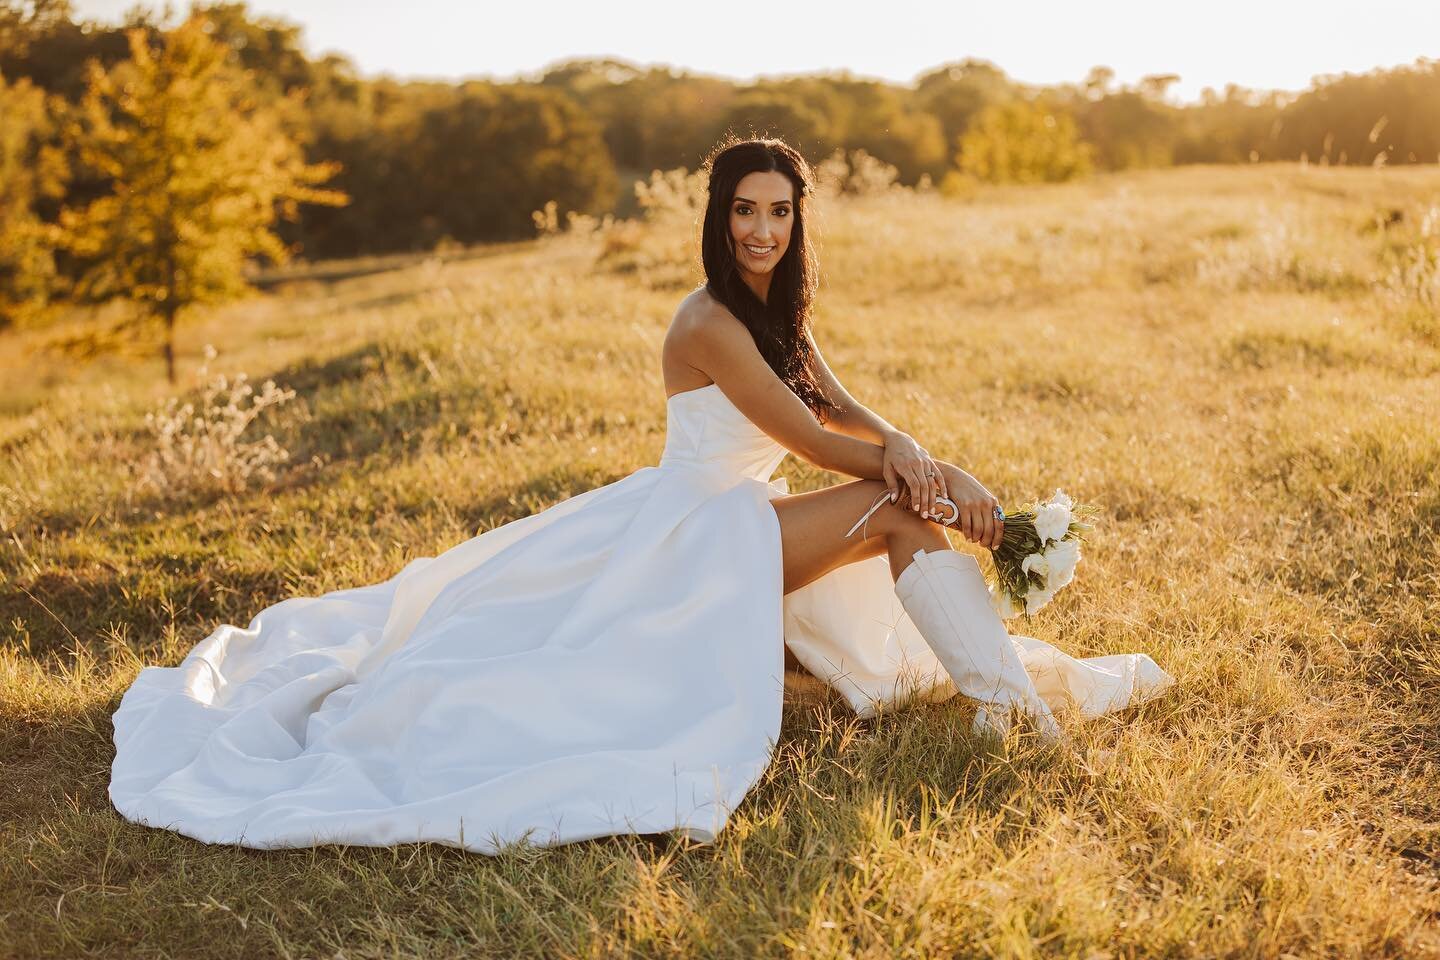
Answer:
(779, 323)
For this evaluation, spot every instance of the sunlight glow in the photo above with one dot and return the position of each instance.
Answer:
(1278, 45)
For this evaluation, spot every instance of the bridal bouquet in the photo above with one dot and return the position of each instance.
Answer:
(1038, 554)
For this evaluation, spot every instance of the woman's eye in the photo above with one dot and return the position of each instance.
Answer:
(782, 210)
(742, 209)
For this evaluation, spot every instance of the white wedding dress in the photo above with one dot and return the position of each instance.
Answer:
(612, 664)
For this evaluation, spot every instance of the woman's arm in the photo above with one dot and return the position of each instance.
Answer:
(898, 449)
(854, 419)
(720, 346)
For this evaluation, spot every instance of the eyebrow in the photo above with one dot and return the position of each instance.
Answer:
(745, 200)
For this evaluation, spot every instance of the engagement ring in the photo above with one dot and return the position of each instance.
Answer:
(999, 514)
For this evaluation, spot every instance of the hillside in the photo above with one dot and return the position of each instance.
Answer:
(1239, 365)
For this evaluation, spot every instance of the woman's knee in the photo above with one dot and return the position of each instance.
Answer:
(893, 517)
(908, 523)
(898, 509)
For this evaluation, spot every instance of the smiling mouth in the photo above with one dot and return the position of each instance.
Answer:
(759, 251)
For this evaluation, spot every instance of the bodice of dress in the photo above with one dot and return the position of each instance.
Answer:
(705, 431)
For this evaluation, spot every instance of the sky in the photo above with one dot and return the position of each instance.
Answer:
(1260, 44)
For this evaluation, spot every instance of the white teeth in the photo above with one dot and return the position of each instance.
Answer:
(759, 251)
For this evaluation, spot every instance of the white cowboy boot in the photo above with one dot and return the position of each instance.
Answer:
(945, 595)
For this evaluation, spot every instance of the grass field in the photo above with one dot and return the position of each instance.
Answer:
(1240, 366)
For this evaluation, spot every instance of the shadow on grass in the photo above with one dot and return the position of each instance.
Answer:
(398, 420)
(59, 608)
(348, 432)
(836, 787)
(537, 494)
(184, 582)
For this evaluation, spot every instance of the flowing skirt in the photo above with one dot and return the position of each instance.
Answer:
(612, 664)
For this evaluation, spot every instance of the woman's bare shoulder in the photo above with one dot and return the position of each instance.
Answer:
(698, 310)
(700, 322)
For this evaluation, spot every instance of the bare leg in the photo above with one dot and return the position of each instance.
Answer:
(813, 525)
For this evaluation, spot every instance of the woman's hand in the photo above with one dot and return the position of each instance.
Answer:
(976, 519)
(907, 461)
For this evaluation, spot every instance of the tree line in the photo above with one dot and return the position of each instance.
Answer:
(348, 165)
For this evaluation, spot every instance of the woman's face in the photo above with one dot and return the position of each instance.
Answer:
(760, 219)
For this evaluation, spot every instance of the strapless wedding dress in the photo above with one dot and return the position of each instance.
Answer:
(612, 664)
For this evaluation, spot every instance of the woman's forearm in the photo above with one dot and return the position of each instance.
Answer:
(853, 456)
(846, 454)
(856, 420)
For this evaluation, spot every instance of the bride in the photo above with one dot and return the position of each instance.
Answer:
(615, 663)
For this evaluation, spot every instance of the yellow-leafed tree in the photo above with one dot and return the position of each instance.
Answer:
(198, 174)
(1023, 142)
(32, 169)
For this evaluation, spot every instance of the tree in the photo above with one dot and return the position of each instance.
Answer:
(41, 41)
(198, 173)
(1384, 115)
(32, 170)
(481, 161)
(956, 93)
(767, 111)
(885, 122)
(1098, 81)
(1130, 128)
(1023, 142)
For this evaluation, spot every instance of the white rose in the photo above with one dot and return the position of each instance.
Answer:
(1037, 563)
(1051, 521)
(1060, 497)
(1036, 599)
(1062, 556)
(1003, 604)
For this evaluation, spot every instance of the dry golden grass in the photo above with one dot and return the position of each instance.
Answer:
(1226, 360)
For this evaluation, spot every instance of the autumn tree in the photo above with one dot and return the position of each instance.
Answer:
(198, 173)
(32, 171)
(1023, 142)
(955, 93)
